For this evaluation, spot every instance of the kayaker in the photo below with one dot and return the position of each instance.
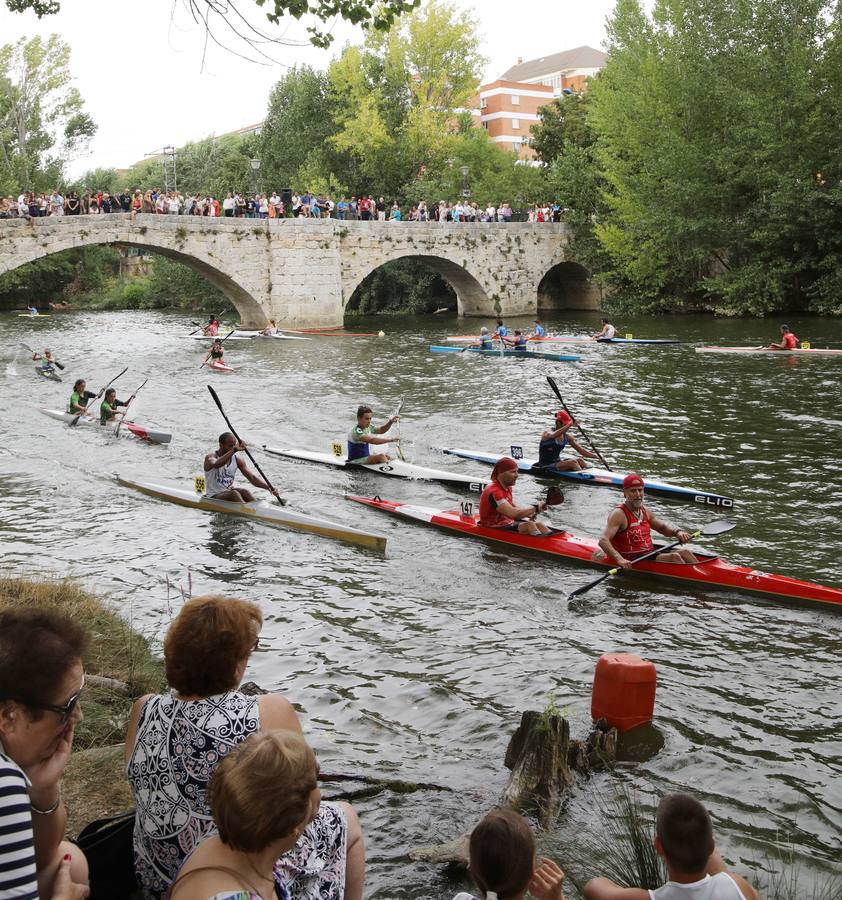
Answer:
(538, 331)
(502, 331)
(221, 468)
(485, 341)
(788, 340)
(554, 440)
(217, 352)
(212, 327)
(108, 409)
(608, 331)
(271, 328)
(47, 360)
(517, 342)
(363, 434)
(496, 506)
(628, 536)
(32, 310)
(684, 840)
(79, 398)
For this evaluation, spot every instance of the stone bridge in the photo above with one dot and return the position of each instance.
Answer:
(303, 272)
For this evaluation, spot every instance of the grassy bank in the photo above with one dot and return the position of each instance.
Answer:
(94, 784)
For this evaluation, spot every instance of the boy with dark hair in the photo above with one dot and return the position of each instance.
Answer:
(684, 837)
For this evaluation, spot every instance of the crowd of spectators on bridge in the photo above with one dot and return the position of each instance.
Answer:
(287, 204)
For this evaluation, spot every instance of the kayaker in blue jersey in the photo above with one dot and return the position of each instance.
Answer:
(538, 331)
(32, 310)
(485, 342)
(502, 331)
(608, 331)
(517, 342)
(554, 440)
(221, 467)
(363, 434)
(108, 409)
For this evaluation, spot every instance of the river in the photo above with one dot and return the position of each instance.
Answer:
(417, 663)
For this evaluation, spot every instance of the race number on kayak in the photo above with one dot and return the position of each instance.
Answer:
(199, 484)
(337, 448)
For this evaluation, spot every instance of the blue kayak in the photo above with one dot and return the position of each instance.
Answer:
(597, 477)
(617, 340)
(520, 354)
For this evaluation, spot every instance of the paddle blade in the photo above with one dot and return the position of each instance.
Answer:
(720, 526)
(554, 496)
(586, 587)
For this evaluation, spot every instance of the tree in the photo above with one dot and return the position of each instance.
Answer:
(370, 14)
(563, 123)
(42, 120)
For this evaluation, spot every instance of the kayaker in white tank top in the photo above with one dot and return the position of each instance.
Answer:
(217, 481)
(221, 468)
(608, 331)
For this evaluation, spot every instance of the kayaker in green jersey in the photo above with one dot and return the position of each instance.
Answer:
(79, 398)
(363, 434)
(108, 408)
(221, 467)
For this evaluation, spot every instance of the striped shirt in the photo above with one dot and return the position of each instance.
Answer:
(17, 849)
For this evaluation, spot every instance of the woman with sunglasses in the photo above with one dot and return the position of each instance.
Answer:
(176, 740)
(41, 680)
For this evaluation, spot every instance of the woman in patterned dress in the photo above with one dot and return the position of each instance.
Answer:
(263, 795)
(176, 740)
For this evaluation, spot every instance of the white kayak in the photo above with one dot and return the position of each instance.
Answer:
(231, 337)
(280, 336)
(260, 511)
(800, 351)
(394, 467)
(143, 432)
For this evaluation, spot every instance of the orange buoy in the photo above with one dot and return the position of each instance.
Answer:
(623, 690)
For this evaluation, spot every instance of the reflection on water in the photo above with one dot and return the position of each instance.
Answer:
(420, 661)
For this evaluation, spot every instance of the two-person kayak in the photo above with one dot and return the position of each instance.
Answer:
(394, 467)
(516, 354)
(136, 429)
(259, 511)
(709, 572)
(598, 477)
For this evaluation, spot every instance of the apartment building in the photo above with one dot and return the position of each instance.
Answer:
(565, 71)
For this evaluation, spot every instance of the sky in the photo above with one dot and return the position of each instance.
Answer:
(141, 70)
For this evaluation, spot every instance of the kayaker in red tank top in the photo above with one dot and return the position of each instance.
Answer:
(628, 535)
(788, 340)
(496, 506)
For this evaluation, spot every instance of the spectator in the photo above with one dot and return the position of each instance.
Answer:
(263, 795)
(395, 213)
(380, 207)
(684, 837)
(175, 741)
(263, 209)
(41, 681)
(72, 207)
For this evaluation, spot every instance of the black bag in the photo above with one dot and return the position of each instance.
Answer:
(107, 844)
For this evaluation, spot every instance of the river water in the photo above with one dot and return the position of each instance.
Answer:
(417, 663)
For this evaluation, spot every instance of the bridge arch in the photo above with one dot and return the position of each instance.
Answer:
(171, 243)
(471, 297)
(568, 285)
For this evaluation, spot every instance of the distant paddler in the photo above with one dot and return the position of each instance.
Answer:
(47, 361)
(485, 341)
(501, 331)
(221, 467)
(212, 327)
(79, 398)
(538, 331)
(517, 341)
(32, 310)
(216, 352)
(554, 440)
(628, 534)
(608, 331)
(497, 508)
(271, 329)
(109, 408)
(788, 340)
(363, 435)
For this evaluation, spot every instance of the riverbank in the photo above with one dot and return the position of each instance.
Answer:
(124, 668)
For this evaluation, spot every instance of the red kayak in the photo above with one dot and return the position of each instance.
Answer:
(218, 366)
(710, 572)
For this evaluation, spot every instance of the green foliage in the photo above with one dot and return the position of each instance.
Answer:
(42, 120)
(402, 286)
(98, 179)
(563, 125)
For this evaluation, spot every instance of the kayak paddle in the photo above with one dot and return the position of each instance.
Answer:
(397, 412)
(246, 449)
(97, 396)
(720, 526)
(220, 341)
(126, 410)
(554, 498)
(599, 456)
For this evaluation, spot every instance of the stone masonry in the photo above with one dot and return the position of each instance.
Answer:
(303, 273)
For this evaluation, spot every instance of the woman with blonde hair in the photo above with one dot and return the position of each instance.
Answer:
(176, 740)
(263, 795)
